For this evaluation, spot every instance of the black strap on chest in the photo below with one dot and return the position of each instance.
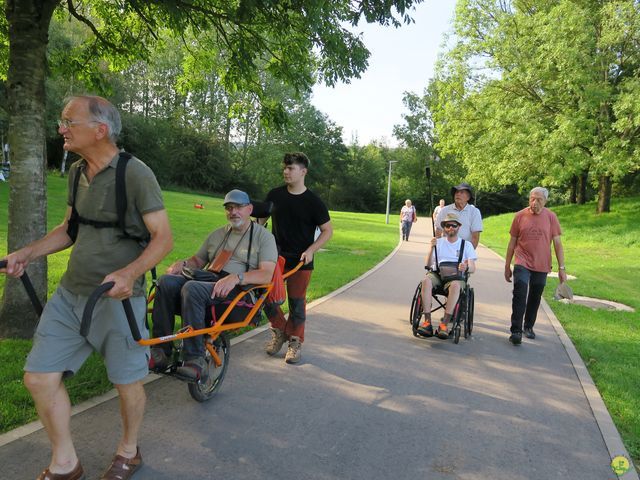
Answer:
(459, 254)
(121, 206)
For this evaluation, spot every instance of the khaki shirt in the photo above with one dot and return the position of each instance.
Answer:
(100, 251)
(263, 248)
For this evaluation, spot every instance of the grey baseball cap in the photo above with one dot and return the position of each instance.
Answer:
(237, 196)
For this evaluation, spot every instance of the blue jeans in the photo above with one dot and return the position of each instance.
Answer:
(406, 230)
(527, 293)
(177, 295)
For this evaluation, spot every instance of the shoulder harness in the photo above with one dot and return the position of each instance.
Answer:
(121, 206)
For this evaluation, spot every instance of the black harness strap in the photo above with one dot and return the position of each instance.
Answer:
(459, 254)
(121, 206)
(247, 265)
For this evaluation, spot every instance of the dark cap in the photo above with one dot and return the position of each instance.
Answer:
(462, 186)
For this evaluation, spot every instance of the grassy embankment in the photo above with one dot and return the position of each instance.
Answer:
(360, 241)
(602, 252)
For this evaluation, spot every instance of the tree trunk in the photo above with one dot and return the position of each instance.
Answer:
(582, 188)
(573, 190)
(604, 194)
(28, 22)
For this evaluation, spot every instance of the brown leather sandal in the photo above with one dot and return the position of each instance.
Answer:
(76, 474)
(123, 468)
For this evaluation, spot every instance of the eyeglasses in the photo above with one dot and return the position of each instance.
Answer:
(451, 225)
(64, 123)
(231, 208)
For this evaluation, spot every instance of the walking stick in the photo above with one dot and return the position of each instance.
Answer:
(428, 174)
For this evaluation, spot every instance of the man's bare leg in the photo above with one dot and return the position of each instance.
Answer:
(54, 409)
(132, 403)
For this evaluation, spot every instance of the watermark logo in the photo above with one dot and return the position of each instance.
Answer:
(620, 465)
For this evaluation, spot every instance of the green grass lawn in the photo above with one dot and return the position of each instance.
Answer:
(360, 241)
(602, 252)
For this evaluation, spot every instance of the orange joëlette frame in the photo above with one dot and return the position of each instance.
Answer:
(218, 327)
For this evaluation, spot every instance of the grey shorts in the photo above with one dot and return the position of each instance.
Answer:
(59, 347)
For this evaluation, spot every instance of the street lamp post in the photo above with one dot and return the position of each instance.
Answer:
(389, 188)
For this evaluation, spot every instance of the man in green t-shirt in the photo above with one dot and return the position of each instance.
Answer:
(240, 253)
(101, 253)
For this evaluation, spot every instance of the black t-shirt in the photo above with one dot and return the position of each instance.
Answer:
(294, 219)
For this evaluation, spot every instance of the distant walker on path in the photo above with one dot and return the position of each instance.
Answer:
(532, 231)
(408, 217)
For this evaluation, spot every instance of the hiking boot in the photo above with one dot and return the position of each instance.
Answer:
(275, 344)
(425, 328)
(293, 352)
(193, 370)
(516, 338)
(529, 333)
(158, 360)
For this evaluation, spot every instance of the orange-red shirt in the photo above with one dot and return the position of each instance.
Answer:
(534, 235)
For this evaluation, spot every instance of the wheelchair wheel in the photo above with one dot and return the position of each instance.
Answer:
(470, 309)
(416, 310)
(416, 305)
(456, 333)
(459, 318)
(203, 391)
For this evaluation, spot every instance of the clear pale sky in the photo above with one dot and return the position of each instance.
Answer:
(402, 59)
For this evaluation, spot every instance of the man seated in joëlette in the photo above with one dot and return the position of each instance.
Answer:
(240, 253)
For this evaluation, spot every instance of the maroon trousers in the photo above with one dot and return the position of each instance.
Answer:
(297, 296)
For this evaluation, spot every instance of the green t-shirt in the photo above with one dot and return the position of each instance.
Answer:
(100, 251)
(263, 248)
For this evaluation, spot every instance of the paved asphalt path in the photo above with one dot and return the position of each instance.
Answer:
(369, 401)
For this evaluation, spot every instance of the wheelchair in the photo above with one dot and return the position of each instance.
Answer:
(462, 317)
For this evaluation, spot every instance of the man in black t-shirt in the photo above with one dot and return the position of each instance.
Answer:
(296, 214)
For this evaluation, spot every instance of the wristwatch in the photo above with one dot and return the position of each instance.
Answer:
(240, 278)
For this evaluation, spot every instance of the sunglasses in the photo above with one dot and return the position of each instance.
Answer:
(451, 225)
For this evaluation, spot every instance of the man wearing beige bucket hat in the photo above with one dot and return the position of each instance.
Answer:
(447, 265)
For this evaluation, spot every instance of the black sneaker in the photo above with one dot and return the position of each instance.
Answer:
(158, 360)
(529, 333)
(516, 338)
(193, 370)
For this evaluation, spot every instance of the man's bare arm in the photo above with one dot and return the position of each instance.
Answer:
(160, 245)
(326, 232)
(54, 241)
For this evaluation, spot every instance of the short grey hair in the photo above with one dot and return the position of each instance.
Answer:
(102, 111)
(542, 190)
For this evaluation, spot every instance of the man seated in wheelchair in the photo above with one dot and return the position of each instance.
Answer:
(449, 260)
(240, 253)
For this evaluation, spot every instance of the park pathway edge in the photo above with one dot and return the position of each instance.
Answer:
(608, 430)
